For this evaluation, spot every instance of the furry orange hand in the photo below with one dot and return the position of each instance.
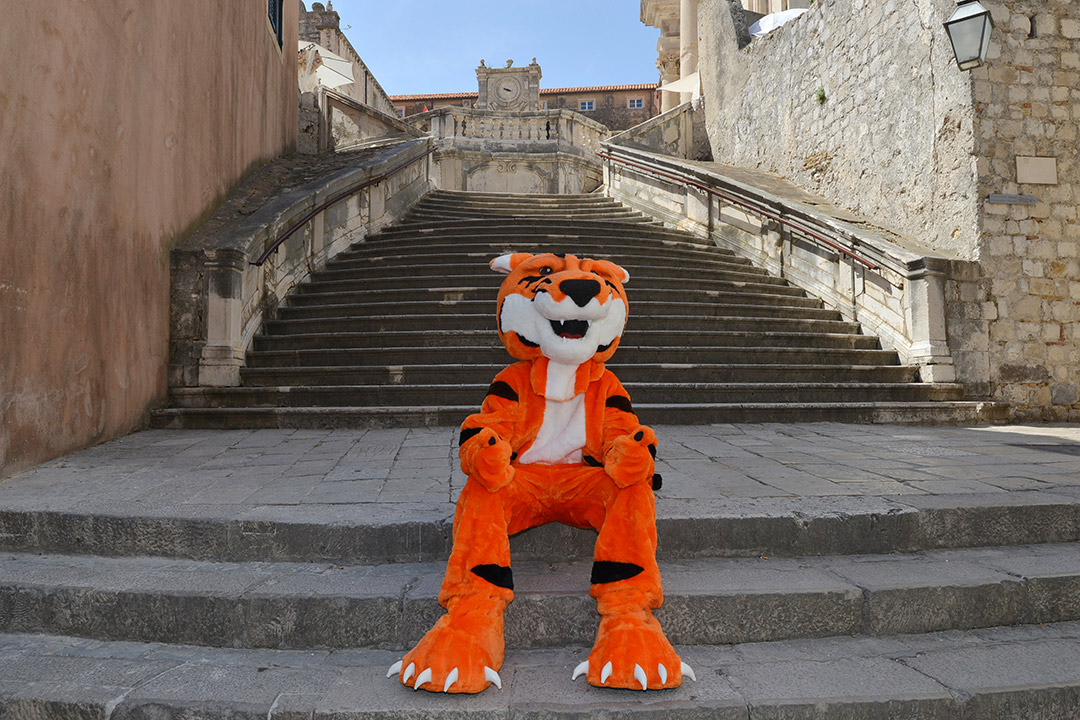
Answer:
(629, 460)
(486, 457)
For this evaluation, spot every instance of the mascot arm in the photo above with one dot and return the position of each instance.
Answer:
(629, 446)
(485, 448)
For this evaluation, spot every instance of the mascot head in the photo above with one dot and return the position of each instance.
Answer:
(565, 308)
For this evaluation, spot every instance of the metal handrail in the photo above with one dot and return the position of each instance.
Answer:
(811, 234)
(332, 201)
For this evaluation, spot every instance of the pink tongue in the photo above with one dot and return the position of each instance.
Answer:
(571, 336)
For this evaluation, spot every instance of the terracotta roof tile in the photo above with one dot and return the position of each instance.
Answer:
(543, 91)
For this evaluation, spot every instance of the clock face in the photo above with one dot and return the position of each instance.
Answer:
(507, 90)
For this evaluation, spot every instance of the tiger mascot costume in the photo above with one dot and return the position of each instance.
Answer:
(556, 440)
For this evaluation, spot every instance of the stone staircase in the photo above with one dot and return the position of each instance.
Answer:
(399, 331)
(800, 608)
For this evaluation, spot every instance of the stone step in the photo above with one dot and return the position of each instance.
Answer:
(436, 199)
(615, 244)
(707, 601)
(656, 269)
(340, 521)
(773, 309)
(493, 354)
(486, 321)
(476, 373)
(644, 393)
(421, 265)
(746, 294)
(437, 212)
(957, 412)
(505, 200)
(1028, 672)
(473, 195)
(570, 230)
(685, 303)
(432, 338)
(488, 279)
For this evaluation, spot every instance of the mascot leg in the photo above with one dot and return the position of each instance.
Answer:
(631, 650)
(463, 652)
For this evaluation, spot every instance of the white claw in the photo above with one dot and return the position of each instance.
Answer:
(492, 677)
(394, 669)
(580, 670)
(605, 673)
(408, 673)
(663, 673)
(639, 675)
(688, 671)
(422, 678)
(450, 680)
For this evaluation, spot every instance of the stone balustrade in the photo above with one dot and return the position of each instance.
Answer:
(896, 289)
(541, 151)
(220, 297)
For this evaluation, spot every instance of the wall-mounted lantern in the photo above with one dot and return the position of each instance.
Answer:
(969, 32)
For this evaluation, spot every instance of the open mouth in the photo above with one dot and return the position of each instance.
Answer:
(570, 329)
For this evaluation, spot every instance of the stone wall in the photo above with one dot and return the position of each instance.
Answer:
(1026, 308)
(322, 25)
(857, 100)
(862, 102)
(122, 125)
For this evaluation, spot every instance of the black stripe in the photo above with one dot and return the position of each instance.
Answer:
(604, 348)
(657, 481)
(604, 571)
(497, 575)
(619, 402)
(503, 390)
(591, 461)
(468, 433)
(652, 450)
(526, 342)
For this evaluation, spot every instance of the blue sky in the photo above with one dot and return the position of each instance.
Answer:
(419, 46)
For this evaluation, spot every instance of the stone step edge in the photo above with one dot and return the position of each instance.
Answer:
(480, 386)
(372, 533)
(1016, 672)
(707, 601)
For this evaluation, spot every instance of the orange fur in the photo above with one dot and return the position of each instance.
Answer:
(608, 490)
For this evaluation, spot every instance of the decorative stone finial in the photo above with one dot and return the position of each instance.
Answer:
(533, 62)
(509, 63)
(482, 63)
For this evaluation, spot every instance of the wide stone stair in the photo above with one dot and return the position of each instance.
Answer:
(795, 608)
(400, 331)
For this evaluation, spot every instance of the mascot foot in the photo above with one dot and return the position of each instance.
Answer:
(631, 652)
(454, 657)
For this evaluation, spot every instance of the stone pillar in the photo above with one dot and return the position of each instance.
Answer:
(925, 310)
(223, 355)
(688, 42)
(668, 65)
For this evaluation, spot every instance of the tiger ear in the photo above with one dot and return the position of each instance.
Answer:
(612, 269)
(506, 263)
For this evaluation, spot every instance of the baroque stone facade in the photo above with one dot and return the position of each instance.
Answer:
(617, 107)
(865, 106)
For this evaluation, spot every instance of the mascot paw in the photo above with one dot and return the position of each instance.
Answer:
(629, 460)
(450, 659)
(631, 652)
(486, 457)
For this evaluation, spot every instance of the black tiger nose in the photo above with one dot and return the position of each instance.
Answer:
(580, 291)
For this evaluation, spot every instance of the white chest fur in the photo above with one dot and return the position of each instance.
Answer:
(562, 433)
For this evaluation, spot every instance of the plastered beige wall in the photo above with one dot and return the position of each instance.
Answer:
(122, 124)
